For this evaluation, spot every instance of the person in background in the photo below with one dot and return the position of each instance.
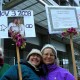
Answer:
(3, 66)
(29, 68)
(51, 66)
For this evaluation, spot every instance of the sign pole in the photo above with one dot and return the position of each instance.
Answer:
(18, 60)
(73, 58)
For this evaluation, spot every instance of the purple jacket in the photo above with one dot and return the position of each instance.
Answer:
(57, 73)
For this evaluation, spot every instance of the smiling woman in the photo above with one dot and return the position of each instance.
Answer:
(29, 67)
(34, 57)
(52, 70)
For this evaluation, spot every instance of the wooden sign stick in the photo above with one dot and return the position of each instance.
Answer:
(18, 60)
(73, 58)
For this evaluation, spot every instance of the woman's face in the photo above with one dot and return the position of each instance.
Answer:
(48, 56)
(15, 21)
(35, 59)
(19, 21)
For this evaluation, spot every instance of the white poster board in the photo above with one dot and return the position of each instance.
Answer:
(1, 4)
(78, 14)
(27, 22)
(61, 18)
